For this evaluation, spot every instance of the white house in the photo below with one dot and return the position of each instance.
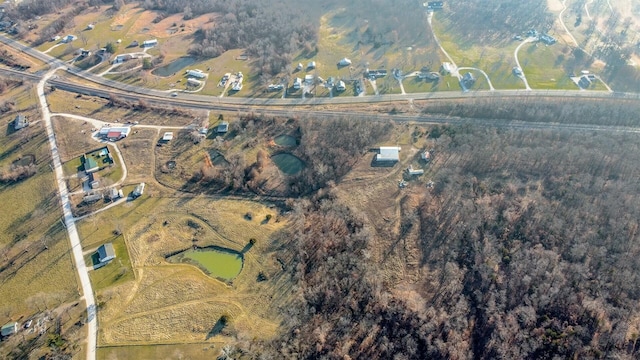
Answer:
(106, 253)
(297, 83)
(344, 62)
(150, 43)
(198, 74)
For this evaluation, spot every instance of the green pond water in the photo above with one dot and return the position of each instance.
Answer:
(219, 263)
(285, 140)
(174, 66)
(288, 163)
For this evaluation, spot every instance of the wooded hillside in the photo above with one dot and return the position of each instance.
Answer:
(529, 249)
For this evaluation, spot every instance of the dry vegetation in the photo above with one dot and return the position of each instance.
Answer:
(169, 303)
(36, 274)
(117, 110)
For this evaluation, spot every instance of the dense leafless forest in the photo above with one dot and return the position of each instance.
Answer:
(528, 246)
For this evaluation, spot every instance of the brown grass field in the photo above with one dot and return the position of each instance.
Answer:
(174, 303)
(99, 109)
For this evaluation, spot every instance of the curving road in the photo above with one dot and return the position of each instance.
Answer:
(515, 55)
(491, 88)
(69, 221)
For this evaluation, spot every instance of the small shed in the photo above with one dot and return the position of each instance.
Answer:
(106, 253)
(341, 86)
(168, 136)
(223, 127)
(9, 329)
(344, 62)
(114, 193)
(311, 65)
(426, 156)
(138, 191)
(414, 172)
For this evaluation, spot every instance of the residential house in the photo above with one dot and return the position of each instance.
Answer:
(138, 191)
(85, 53)
(468, 79)
(341, 86)
(114, 193)
(198, 74)
(237, 85)
(548, 39)
(426, 156)
(435, 5)
(20, 122)
(446, 68)
(222, 128)
(297, 83)
(299, 67)
(106, 253)
(311, 65)
(149, 43)
(69, 38)
(388, 155)
(344, 62)
(584, 82)
(9, 329)
(122, 58)
(89, 165)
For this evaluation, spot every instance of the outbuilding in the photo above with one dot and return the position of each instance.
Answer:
(344, 62)
(9, 329)
(20, 122)
(168, 136)
(388, 154)
(106, 253)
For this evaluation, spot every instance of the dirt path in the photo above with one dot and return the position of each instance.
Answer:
(454, 69)
(564, 8)
(515, 55)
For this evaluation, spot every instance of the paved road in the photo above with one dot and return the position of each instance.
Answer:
(74, 239)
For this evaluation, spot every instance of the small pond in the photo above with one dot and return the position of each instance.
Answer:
(174, 66)
(215, 261)
(288, 163)
(285, 140)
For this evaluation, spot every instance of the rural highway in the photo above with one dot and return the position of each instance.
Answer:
(69, 221)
